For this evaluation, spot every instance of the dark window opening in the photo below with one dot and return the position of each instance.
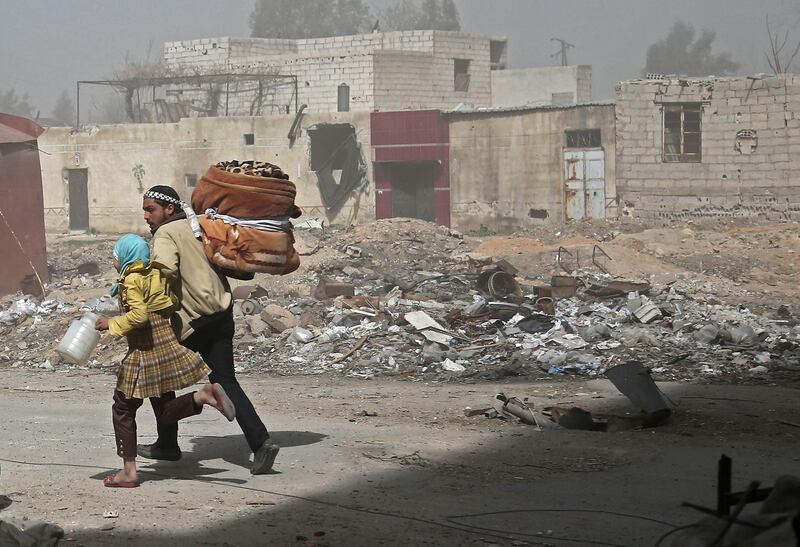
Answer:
(249, 139)
(498, 54)
(343, 98)
(682, 132)
(461, 75)
(584, 138)
(191, 180)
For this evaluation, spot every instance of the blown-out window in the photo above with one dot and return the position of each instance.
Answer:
(682, 132)
(461, 75)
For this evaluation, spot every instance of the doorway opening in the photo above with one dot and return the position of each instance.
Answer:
(78, 183)
(413, 189)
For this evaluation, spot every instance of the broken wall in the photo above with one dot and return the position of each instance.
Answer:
(748, 161)
(507, 168)
(123, 160)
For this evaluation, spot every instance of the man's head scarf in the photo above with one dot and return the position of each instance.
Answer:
(165, 195)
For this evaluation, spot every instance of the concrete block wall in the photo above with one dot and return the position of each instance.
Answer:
(201, 53)
(408, 81)
(319, 79)
(322, 64)
(536, 86)
(584, 83)
(730, 179)
(417, 40)
(167, 152)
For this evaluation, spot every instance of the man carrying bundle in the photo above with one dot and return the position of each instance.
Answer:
(204, 322)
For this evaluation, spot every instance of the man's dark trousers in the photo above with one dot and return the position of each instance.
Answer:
(214, 342)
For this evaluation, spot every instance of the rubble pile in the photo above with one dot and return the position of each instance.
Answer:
(31, 326)
(408, 299)
(403, 298)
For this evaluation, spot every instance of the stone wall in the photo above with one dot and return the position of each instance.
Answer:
(167, 153)
(749, 156)
(507, 167)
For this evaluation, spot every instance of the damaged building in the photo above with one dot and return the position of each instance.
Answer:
(496, 169)
(315, 107)
(94, 179)
(716, 147)
(377, 72)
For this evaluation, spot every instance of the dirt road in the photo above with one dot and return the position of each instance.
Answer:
(404, 477)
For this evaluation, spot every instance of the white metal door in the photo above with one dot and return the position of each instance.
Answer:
(585, 185)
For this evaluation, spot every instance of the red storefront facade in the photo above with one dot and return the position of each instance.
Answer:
(411, 165)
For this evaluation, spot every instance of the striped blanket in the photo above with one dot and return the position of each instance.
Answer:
(243, 210)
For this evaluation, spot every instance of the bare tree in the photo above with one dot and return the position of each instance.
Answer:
(12, 103)
(427, 15)
(778, 62)
(64, 110)
(309, 18)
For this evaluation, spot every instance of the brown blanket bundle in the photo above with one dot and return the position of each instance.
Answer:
(242, 248)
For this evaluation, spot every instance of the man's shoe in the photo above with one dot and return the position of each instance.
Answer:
(264, 457)
(155, 452)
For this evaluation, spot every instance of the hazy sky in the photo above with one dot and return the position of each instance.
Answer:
(46, 45)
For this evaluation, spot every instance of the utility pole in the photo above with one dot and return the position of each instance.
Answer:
(563, 53)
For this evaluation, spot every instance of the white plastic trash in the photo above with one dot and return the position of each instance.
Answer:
(301, 335)
(80, 340)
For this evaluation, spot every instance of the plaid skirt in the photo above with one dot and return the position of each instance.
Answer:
(156, 363)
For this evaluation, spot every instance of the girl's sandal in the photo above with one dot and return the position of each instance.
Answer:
(224, 404)
(109, 482)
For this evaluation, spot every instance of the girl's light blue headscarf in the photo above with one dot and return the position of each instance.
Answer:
(129, 249)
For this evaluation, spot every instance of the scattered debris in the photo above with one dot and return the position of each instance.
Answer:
(632, 379)
(417, 301)
(517, 408)
(328, 289)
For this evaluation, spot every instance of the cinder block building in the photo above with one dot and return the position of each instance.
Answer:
(378, 72)
(368, 126)
(689, 147)
(367, 72)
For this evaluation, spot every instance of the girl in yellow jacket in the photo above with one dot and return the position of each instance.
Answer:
(156, 365)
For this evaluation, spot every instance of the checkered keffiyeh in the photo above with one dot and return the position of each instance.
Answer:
(156, 363)
(162, 197)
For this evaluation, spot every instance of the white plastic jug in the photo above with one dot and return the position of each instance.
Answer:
(80, 340)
